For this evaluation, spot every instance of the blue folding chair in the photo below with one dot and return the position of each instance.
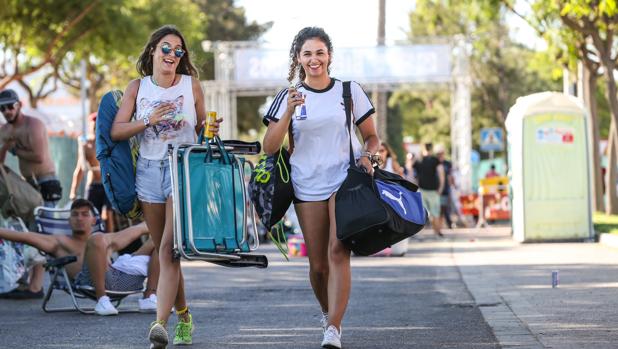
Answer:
(211, 204)
(56, 221)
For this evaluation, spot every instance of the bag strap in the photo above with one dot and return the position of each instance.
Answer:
(290, 136)
(347, 104)
(10, 200)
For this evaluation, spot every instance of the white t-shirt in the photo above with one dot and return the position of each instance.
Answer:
(179, 127)
(321, 141)
(132, 265)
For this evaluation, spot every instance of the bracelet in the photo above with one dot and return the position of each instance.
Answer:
(373, 158)
(366, 154)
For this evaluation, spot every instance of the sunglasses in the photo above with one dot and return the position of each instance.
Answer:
(7, 107)
(167, 48)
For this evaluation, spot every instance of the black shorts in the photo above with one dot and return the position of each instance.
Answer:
(51, 190)
(299, 201)
(96, 195)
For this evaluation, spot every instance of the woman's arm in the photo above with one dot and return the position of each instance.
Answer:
(276, 130)
(123, 128)
(370, 139)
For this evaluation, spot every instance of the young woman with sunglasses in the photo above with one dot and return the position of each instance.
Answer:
(319, 161)
(169, 105)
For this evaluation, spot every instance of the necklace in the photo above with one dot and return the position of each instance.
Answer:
(152, 79)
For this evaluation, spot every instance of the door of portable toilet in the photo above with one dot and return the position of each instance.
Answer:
(549, 168)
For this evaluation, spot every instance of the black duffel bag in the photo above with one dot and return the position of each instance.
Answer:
(375, 212)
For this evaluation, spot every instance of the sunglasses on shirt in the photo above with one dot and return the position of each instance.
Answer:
(7, 107)
(167, 48)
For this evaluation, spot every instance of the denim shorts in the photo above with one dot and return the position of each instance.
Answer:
(153, 182)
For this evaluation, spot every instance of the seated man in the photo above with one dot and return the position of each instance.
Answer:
(127, 273)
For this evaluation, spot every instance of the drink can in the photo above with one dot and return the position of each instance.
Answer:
(300, 111)
(211, 117)
(554, 279)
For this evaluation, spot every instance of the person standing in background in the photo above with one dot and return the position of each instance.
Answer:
(430, 178)
(87, 162)
(389, 159)
(445, 194)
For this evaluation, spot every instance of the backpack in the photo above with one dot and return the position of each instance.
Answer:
(270, 187)
(117, 159)
(19, 198)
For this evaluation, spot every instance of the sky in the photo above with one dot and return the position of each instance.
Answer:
(349, 23)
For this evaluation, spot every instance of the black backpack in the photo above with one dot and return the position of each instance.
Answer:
(271, 188)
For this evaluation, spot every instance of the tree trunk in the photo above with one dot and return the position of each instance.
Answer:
(612, 200)
(589, 92)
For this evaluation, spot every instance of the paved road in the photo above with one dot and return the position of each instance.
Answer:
(418, 301)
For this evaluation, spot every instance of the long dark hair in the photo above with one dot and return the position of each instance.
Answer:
(144, 63)
(299, 40)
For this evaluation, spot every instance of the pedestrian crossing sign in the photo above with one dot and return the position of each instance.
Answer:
(492, 139)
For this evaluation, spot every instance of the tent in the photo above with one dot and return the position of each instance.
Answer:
(549, 168)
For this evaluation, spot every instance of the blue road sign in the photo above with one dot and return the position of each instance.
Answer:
(492, 139)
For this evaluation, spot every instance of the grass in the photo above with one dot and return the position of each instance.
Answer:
(605, 223)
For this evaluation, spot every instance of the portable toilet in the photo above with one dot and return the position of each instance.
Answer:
(549, 168)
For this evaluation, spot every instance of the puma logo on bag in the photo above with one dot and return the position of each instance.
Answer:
(399, 199)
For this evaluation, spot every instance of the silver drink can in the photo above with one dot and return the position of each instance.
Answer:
(300, 111)
(555, 279)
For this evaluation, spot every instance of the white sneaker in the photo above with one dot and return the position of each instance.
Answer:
(324, 321)
(148, 305)
(105, 307)
(332, 338)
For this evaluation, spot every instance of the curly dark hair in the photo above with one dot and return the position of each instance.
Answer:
(299, 40)
(144, 63)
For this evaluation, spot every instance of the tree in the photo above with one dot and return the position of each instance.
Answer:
(112, 49)
(583, 30)
(501, 69)
(229, 23)
(38, 34)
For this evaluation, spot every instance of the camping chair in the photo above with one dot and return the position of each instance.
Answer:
(56, 221)
(211, 204)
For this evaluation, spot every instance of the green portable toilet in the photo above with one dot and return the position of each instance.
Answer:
(549, 168)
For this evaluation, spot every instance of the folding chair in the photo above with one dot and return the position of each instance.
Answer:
(56, 221)
(211, 204)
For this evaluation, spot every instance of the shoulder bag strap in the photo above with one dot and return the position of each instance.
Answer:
(347, 103)
(290, 136)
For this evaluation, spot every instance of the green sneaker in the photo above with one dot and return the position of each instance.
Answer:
(158, 335)
(184, 332)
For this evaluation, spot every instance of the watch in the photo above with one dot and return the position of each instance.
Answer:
(146, 121)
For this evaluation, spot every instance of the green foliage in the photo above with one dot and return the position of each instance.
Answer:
(110, 35)
(225, 23)
(604, 223)
(501, 69)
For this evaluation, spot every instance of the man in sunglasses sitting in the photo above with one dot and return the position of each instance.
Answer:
(26, 137)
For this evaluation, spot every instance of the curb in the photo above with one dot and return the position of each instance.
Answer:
(510, 331)
(609, 240)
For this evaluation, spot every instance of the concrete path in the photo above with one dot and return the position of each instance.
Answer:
(417, 301)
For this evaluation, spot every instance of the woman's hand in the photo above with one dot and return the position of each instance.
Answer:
(364, 163)
(294, 98)
(213, 126)
(161, 112)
